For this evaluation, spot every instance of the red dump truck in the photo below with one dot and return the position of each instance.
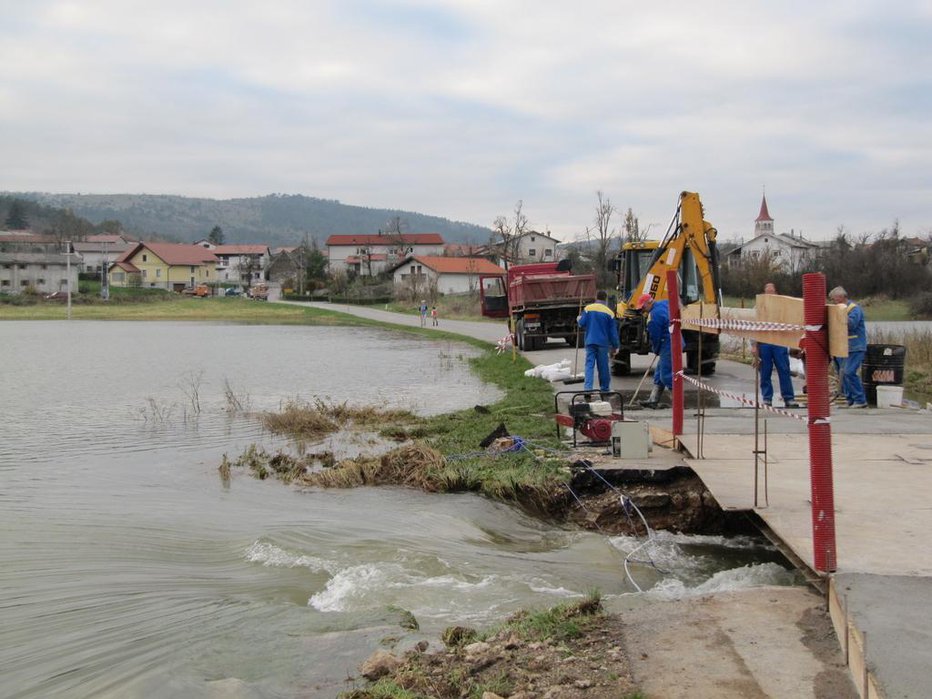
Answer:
(543, 299)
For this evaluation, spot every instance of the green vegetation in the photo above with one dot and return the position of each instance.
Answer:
(444, 455)
(560, 623)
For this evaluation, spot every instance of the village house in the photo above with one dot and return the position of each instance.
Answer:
(286, 266)
(370, 255)
(536, 247)
(21, 241)
(789, 250)
(98, 251)
(448, 275)
(43, 272)
(241, 264)
(164, 266)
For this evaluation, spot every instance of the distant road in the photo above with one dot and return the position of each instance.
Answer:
(482, 330)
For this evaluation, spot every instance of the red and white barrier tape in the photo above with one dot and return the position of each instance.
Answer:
(503, 344)
(748, 401)
(754, 325)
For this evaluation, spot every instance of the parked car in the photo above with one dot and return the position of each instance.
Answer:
(233, 291)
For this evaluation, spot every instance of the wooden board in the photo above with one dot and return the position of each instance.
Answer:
(773, 308)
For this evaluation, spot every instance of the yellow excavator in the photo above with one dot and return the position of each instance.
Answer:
(688, 247)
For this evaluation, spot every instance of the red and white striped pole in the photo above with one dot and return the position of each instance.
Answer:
(820, 430)
(676, 351)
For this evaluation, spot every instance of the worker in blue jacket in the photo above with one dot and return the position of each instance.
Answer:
(598, 320)
(857, 347)
(658, 329)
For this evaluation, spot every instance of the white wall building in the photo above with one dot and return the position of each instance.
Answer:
(370, 255)
(536, 247)
(44, 272)
(449, 275)
(240, 264)
(98, 251)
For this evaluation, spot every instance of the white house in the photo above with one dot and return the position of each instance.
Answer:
(98, 251)
(370, 255)
(536, 247)
(449, 275)
(240, 264)
(45, 272)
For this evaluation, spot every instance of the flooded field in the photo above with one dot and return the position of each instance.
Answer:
(130, 570)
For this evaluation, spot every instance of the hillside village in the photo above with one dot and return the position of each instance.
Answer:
(397, 264)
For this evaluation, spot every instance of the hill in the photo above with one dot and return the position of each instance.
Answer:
(276, 219)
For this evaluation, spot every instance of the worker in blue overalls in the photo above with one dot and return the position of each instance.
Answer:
(857, 347)
(598, 320)
(658, 329)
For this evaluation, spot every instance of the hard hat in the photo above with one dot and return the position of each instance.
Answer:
(642, 299)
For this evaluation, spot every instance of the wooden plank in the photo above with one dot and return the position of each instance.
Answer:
(773, 308)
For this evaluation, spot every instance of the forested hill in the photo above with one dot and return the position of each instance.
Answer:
(276, 219)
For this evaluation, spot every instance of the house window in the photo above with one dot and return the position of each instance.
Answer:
(532, 252)
(5, 282)
(548, 252)
(119, 276)
(193, 268)
(532, 238)
(144, 273)
(63, 282)
(158, 272)
(145, 258)
(43, 266)
(22, 266)
(40, 281)
(24, 282)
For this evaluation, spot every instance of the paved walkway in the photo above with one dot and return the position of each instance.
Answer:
(883, 499)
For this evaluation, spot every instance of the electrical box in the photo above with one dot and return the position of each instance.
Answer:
(630, 439)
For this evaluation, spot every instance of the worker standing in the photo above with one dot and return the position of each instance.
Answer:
(598, 320)
(658, 328)
(767, 357)
(857, 347)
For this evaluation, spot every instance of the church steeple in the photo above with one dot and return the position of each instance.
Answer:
(763, 224)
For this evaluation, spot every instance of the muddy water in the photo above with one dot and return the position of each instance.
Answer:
(128, 570)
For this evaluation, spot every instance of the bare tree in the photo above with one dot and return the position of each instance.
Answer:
(605, 237)
(632, 228)
(507, 234)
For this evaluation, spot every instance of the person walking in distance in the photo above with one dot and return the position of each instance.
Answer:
(434, 320)
(857, 347)
(658, 329)
(422, 310)
(598, 320)
(767, 357)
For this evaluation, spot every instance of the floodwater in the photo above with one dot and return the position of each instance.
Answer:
(127, 569)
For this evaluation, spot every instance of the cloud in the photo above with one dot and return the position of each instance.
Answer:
(460, 108)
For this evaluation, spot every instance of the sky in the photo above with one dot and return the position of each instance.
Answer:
(462, 108)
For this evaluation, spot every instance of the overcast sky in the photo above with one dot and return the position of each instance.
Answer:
(460, 108)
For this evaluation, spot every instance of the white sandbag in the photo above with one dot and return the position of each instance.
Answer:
(544, 371)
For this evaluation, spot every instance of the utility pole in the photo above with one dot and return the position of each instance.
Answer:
(68, 274)
(105, 276)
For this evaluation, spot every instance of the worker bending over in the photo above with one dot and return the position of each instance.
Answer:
(598, 320)
(658, 329)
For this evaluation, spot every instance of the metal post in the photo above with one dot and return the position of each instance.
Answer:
(820, 431)
(676, 351)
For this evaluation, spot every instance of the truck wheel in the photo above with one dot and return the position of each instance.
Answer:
(621, 364)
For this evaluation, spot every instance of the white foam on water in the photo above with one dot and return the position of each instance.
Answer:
(364, 587)
(745, 577)
(272, 556)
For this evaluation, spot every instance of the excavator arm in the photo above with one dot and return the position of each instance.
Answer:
(689, 248)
